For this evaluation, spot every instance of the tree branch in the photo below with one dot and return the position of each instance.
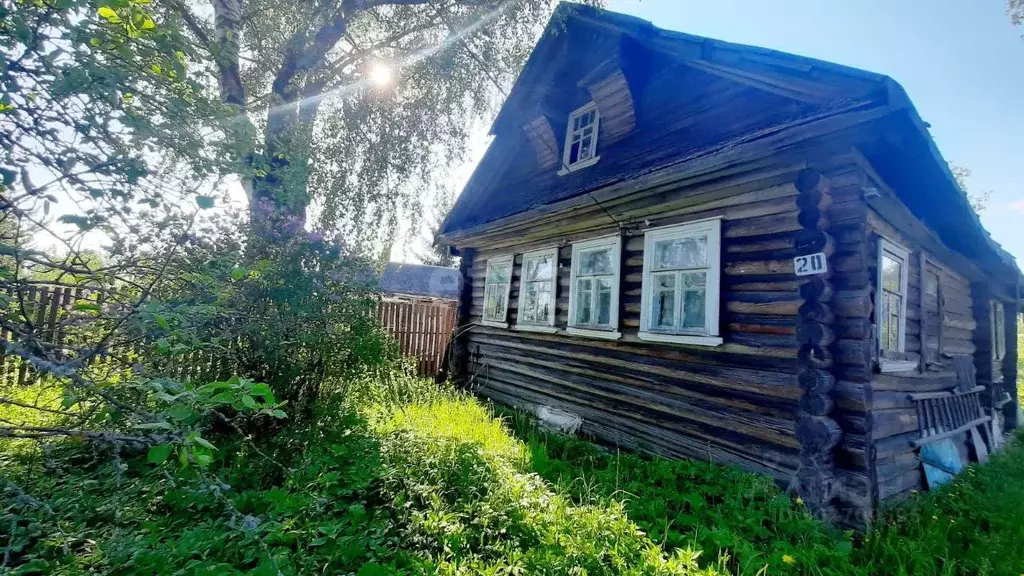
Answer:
(192, 23)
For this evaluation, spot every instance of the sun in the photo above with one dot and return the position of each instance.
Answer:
(380, 75)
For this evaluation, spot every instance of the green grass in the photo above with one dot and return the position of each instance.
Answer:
(974, 526)
(436, 484)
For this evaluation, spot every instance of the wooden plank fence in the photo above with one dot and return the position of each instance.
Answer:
(422, 328)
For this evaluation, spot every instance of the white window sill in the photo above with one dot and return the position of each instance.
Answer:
(494, 324)
(591, 333)
(533, 328)
(579, 165)
(681, 339)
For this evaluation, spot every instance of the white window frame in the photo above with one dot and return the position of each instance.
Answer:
(549, 325)
(712, 227)
(611, 332)
(998, 322)
(567, 147)
(897, 252)
(488, 286)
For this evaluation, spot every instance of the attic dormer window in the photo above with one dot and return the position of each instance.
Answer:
(581, 139)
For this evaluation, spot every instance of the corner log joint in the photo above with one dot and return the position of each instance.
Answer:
(815, 480)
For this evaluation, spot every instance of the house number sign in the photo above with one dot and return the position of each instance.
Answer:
(810, 264)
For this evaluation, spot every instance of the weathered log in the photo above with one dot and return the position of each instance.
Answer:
(811, 241)
(816, 312)
(816, 404)
(852, 280)
(817, 289)
(851, 212)
(854, 352)
(815, 357)
(812, 218)
(817, 434)
(852, 303)
(814, 333)
(853, 328)
(810, 183)
(816, 381)
(850, 261)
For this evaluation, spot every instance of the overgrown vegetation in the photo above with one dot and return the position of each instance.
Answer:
(970, 527)
(429, 485)
(401, 476)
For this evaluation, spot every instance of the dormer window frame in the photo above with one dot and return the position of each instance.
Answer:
(571, 134)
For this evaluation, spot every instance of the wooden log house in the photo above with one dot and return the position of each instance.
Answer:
(628, 247)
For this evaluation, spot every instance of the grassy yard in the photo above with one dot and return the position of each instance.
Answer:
(973, 526)
(436, 484)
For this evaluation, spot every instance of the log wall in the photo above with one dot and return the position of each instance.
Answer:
(940, 323)
(794, 388)
(735, 403)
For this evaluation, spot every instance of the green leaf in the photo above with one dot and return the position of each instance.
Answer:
(204, 442)
(108, 14)
(248, 401)
(159, 453)
(163, 346)
(279, 414)
(260, 389)
(223, 398)
(148, 24)
(205, 202)
(87, 306)
(162, 322)
(156, 68)
(180, 412)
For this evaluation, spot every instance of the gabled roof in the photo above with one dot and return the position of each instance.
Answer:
(421, 280)
(804, 90)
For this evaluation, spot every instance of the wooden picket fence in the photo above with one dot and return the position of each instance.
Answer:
(422, 328)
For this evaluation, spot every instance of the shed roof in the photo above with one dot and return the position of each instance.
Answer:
(421, 280)
(824, 90)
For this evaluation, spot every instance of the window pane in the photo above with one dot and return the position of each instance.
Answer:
(664, 281)
(574, 153)
(595, 262)
(889, 319)
(528, 304)
(663, 301)
(891, 273)
(681, 253)
(543, 306)
(494, 304)
(663, 309)
(693, 309)
(499, 272)
(694, 298)
(604, 302)
(584, 300)
(490, 304)
(539, 268)
(585, 147)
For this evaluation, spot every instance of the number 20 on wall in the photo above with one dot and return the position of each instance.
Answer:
(810, 264)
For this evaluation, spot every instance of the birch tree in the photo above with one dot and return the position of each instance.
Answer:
(355, 105)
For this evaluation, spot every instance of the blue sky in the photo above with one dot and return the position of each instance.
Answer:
(961, 62)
